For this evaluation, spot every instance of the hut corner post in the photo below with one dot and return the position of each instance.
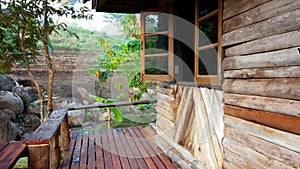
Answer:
(46, 147)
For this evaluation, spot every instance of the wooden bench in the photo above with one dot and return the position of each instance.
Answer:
(11, 152)
(115, 149)
(43, 144)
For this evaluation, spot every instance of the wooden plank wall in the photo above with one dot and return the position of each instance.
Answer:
(193, 118)
(261, 39)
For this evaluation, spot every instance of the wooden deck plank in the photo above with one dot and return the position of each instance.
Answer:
(142, 149)
(2, 146)
(150, 133)
(113, 150)
(133, 147)
(99, 150)
(76, 154)
(132, 161)
(13, 151)
(106, 148)
(68, 159)
(91, 151)
(83, 154)
(148, 148)
(121, 151)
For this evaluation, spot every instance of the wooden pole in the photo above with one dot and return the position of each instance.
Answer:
(125, 103)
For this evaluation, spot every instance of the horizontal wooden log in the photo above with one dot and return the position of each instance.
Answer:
(253, 157)
(286, 22)
(280, 58)
(165, 97)
(169, 115)
(266, 148)
(287, 88)
(240, 6)
(279, 121)
(276, 42)
(280, 72)
(167, 122)
(278, 137)
(276, 105)
(229, 165)
(238, 160)
(166, 91)
(260, 13)
(45, 132)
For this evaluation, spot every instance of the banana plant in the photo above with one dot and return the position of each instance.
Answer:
(117, 115)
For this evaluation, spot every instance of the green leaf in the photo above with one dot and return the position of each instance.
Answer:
(118, 117)
(97, 98)
(50, 45)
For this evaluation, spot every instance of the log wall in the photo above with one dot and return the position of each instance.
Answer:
(192, 118)
(261, 40)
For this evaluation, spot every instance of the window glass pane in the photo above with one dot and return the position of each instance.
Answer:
(208, 31)
(156, 23)
(205, 7)
(156, 65)
(156, 44)
(208, 62)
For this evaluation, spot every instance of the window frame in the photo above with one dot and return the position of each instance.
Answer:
(169, 54)
(208, 79)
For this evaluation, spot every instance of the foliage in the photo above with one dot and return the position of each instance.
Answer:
(118, 117)
(23, 24)
(76, 38)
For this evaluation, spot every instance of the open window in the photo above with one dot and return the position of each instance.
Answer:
(208, 35)
(157, 45)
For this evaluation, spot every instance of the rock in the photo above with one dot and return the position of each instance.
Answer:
(7, 131)
(6, 83)
(32, 91)
(75, 117)
(85, 96)
(9, 113)
(23, 93)
(34, 107)
(11, 101)
(31, 121)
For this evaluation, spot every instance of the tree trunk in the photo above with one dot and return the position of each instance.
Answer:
(48, 62)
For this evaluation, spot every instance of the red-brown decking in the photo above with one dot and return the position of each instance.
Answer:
(115, 149)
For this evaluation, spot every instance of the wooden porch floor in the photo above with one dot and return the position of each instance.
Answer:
(125, 148)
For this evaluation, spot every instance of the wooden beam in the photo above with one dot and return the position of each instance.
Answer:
(286, 22)
(276, 105)
(278, 121)
(266, 148)
(280, 58)
(114, 104)
(236, 7)
(278, 72)
(287, 88)
(260, 13)
(271, 43)
(281, 138)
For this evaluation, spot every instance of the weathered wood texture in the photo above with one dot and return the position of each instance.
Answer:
(115, 148)
(261, 70)
(270, 43)
(286, 88)
(275, 120)
(260, 13)
(11, 152)
(276, 105)
(198, 125)
(43, 144)
(273, 26)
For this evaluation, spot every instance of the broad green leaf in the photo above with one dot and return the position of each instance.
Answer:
(118, 117)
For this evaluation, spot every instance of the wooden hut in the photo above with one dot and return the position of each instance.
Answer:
(229, 71)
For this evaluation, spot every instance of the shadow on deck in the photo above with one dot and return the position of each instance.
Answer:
(131, 147)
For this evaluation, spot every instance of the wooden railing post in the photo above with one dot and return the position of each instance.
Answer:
(65, 134)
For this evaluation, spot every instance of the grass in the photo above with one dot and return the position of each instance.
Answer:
(22, 163)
